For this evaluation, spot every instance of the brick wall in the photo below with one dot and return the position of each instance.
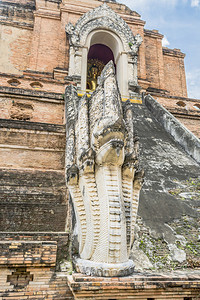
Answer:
(15, 49)
(34, 82)
(32, 200)
(17, 11)
(137, 286)
(175, 81)
(29, 105)
(31, 145)
(27, 271)
(26, 253)
(192, 123)
(154, 60)
(45, 43)
(62, 240)
(44, 283)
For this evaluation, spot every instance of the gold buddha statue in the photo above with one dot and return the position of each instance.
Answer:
(95, 67)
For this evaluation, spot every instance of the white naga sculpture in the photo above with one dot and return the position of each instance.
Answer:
(102, 176)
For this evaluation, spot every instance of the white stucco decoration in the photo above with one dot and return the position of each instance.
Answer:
(103, 25)
(102, 176)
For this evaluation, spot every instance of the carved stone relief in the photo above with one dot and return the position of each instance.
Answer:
(102, 176)
(103, 18)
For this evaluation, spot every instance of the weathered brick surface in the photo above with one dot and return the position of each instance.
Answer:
(137, 286)
(174, 69)
(21, 104)
(33, 283)
(32, 201)
(45, 57)
(28, 253)
(16, 35)
(19, 133)
(31, 145)
(153, 52)
(15, 49)
(192, 123)
(27, 267)
(61, 238)
(35, 82)
(18, 11)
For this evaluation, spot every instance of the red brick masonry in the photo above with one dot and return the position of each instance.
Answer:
(138, 286)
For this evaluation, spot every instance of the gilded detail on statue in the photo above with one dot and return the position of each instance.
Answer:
(94, 69)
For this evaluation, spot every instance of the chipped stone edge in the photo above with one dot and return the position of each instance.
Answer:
(189, 142)
(98, 269)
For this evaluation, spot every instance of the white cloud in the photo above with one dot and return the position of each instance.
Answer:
(195, 3)
(193, 83)
(165, 42)
(146, 4)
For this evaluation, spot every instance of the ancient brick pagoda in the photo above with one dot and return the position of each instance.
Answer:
(99, 161)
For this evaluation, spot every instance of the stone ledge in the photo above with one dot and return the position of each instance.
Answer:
(183, 113)
(29, 5)
(153, 33)
(17, 24)
(184, 116)
(138, 285)
(33, 235)
(8, 123)
(165, 94)
(173, 52)
(26, 92)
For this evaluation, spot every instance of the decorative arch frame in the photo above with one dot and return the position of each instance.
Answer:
(95, 26)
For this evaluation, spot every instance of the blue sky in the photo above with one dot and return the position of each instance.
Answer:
(179, 21)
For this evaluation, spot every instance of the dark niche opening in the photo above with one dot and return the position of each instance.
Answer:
(98, 56)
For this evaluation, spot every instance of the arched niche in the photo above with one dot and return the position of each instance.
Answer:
(102, 25)
(113, 42)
